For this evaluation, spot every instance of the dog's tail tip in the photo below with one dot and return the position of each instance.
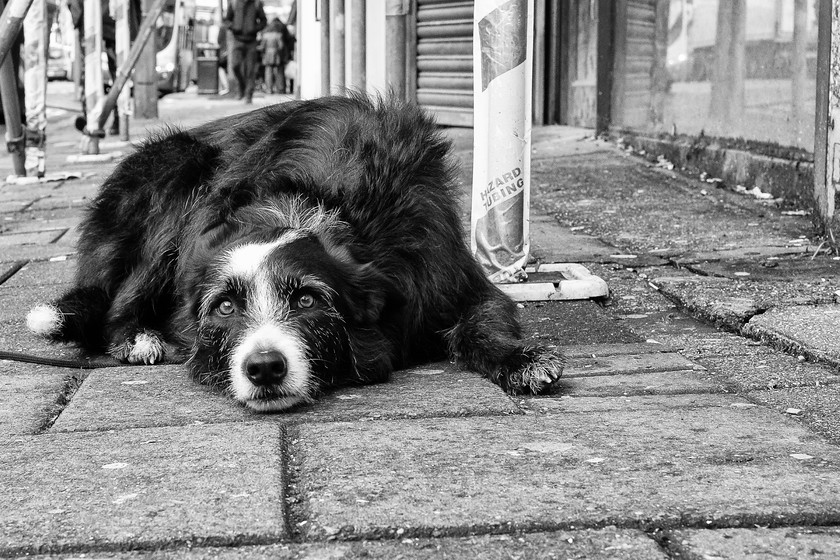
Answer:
(45, 320)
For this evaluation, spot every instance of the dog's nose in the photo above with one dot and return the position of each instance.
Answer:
(267, 367)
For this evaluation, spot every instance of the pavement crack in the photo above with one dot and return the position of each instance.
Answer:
(51, 413)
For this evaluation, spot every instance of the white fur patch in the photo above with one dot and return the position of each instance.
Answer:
(295, 385)
(245, 261)
(147, 349)
(44, 320)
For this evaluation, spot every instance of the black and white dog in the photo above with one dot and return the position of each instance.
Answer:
(294, 248)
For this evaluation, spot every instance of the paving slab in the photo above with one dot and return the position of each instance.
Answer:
(553, 243)
(787, 543)
(213, 484)
(35, 221)
(621, 348)
(579, 405)
(34, 252)
(815, 406)
(754, 249)
(684, 466)
(656, 383)
(43, 273)
(590, 366)
(799, 269)
(731, 303)
(767, 368)
(166, 396)
(8, 240)
(30, 396)
(804, 329)
(605, 544)
(572, 322)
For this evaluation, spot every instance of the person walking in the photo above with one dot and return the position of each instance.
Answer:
(246, 19)
(274, 57)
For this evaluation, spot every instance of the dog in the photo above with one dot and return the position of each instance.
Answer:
(292, 249)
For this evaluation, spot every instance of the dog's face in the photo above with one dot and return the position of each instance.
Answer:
(275, 316)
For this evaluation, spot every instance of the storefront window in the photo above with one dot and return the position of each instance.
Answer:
(732, 69)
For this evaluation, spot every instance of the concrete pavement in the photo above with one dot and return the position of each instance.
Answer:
(696, 417)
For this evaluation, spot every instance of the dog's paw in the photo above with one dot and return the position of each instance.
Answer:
(45, 320)
(537, 371)
(145, 347)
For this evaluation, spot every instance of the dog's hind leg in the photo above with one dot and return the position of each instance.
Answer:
(488, 339)
(137, 317)
(77, 316)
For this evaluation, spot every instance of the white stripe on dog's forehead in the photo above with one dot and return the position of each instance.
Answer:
(245, 260)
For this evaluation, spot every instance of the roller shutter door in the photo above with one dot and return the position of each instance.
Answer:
(634, 80)
(445, 60)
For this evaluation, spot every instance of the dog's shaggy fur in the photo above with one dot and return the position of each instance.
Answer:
(295, 248)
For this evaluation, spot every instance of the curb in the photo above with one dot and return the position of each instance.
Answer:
(783, 178)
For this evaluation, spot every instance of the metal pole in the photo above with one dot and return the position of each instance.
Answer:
(358, 44)
(12, 21)
(395, 39)
(124, 71)
(145, 78)
(325, 46)
(121, 13)
(337, 52)
(826, 176)
(15, 141)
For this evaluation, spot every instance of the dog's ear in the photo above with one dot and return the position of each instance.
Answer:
(370, 294)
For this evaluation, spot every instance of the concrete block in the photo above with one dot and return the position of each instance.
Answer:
(166, 396)
(784, 543)
(557, 281)
(665, 467)
(215, 483)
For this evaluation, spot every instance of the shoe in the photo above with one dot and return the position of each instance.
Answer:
(249, 100)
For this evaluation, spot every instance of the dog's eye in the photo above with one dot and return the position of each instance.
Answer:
(306, 301)
(225, 308)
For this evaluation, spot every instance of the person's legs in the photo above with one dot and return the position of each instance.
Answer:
(239, 61)
(250, 68)
(269, 78)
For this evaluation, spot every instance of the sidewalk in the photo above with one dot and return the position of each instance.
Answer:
(696, 417)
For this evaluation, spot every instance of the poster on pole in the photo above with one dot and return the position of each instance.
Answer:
(502, 51)
(94, 84)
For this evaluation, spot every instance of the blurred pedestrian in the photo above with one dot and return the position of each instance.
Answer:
(274, 56)
(246, 19)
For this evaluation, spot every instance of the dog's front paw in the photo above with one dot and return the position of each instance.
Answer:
(535, 371)
(144, 347)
